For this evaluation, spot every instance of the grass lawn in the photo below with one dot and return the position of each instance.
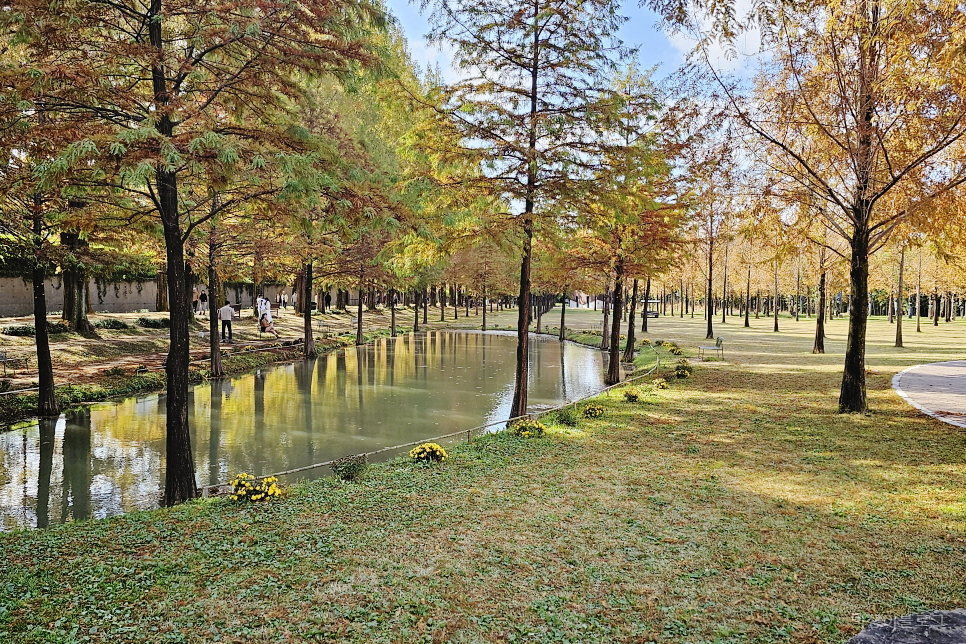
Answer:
(736, 506)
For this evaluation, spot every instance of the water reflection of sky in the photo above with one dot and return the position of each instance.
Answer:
(109, 459)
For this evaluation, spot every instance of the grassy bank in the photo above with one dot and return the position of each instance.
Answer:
(735, 507)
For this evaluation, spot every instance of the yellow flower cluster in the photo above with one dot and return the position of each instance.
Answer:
(593, 410)
(428, 453)
(246, 487)
(527, 427)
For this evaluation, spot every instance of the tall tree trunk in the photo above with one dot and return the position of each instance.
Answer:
(563, 316)
(604, 334)
(392, 313)
(614, 356)
(798, 294)
(629, 349)
(647, 305)
(76, 291)
(310, 350)
(519, 405)
(425, 305)
(709, 308)
(360, 338)
(161, 301)
(919, 295)
(214, 302)
(442, 303)
(46, 395)
(901, 298)
(852, 397)
(776, 297)
(748, 299)
(416, 312)
(684, 299)
(819, 345)
(724, 287)
(179, 481)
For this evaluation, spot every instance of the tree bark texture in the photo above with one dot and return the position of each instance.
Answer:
(614, 357)
(519, 405)
(901, 304)
(631, 322)
(852, 397)
(46, 395)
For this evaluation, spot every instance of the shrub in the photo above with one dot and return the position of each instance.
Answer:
(112, 323)
(645, 342)
(567, 416)
(428, 453)
(683, 368)
(676, 351)
(632, 395)
(22, 330)
(350, 468)
(154, 323)
(527, 427)
(114, 371)
(659, 383)
(246, 487)
(593, 410)
(668, 345)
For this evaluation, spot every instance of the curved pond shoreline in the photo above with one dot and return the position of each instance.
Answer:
(108, 459)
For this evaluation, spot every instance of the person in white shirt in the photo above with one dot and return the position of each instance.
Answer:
(225, 314)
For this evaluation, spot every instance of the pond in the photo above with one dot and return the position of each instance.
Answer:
(109, 459)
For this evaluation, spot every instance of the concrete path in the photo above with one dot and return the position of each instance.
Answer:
(937, 389)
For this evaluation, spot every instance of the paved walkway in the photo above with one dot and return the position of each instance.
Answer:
(937, 389)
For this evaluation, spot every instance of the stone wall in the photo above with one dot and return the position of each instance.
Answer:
(17, 296)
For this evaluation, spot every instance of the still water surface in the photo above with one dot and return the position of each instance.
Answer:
(109, 459)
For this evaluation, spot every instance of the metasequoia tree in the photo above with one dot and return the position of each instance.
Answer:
(863, 99)
(527, 108)
(168, 87)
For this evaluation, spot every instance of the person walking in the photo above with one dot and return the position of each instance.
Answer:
(194, 299)
(284, 300)
(203, 302)
(225, 314)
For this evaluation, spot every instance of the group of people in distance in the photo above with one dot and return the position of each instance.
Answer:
(263, 309)
(265, 322)
(199, 301)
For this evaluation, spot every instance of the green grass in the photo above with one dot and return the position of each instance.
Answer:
(734, 507)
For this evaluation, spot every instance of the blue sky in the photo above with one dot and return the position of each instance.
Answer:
(656, 49)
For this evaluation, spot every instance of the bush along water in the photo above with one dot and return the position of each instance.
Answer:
(659, 383)
(350, 468)
(593, 410)
(567, 416)
(527, 428)
(632, 394)
(428, 453)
